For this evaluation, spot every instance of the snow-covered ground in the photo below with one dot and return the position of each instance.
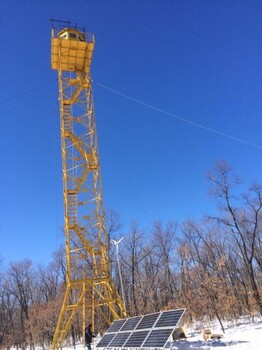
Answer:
(244, 335)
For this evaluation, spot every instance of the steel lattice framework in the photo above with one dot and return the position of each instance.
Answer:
(88, 284)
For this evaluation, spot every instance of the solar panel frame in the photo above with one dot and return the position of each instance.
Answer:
(105, 340)
(131, 323)
(119, 340)
(136, 339)
(157, 338)
(116, 326)
(169, 318)
(148, 331)
(148, 321)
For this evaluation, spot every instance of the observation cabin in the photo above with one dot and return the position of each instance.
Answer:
(72, 50)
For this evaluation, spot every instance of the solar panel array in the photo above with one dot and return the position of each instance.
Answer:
(148, 331)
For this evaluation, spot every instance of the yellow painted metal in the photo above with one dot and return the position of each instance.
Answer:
(88, 282)
(71, 54)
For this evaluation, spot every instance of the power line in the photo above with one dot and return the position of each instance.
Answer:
(27, 92)
(214, 131)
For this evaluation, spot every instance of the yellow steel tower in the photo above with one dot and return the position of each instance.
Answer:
(89, 288)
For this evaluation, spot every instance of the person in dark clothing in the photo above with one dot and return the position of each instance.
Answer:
(88, 336)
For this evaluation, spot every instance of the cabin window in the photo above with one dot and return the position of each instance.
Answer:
(72, 35)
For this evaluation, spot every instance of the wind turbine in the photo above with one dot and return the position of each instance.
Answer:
(116, 244)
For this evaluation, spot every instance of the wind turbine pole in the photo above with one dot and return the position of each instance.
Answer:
(116, 244)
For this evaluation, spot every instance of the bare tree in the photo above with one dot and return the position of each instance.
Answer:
(133, 255)
(20, 285)
(240, 217)
(164, 239)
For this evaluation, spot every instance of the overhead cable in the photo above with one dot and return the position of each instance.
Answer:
(27, 92)
(214, 131)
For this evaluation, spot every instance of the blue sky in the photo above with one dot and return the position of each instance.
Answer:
(199, 60)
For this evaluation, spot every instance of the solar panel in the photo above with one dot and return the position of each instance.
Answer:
(116, 326)
(148, 331)
(157, 338)
(136, 339)
(131, 323)
(105, 340)
(169, 318)
(148, 321)
(119, 340)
